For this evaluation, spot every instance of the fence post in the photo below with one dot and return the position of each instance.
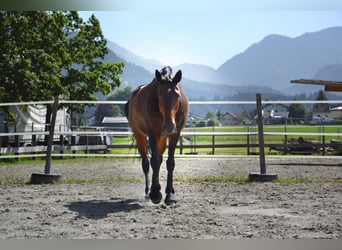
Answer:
(213, 142)
(73, 143)
(285, 137)
(61, 144)
(33, 140)
(87, 143)
(16, 142)
(262, 176)
(47, 177)
(248, 145)
(181, 145)
(323, 139)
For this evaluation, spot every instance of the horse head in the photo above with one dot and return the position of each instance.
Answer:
(168, 97)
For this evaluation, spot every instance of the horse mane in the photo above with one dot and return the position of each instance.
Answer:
(166, 73)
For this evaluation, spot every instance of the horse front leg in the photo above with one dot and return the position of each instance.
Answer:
(146, 167)
(157, 148)
(170, 164)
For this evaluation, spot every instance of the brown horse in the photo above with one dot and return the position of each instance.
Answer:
(157, 112)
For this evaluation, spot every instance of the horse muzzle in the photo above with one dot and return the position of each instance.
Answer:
(169, 128)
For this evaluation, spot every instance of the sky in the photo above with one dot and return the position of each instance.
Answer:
(210, 34)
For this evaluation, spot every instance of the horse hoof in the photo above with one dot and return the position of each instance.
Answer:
(156, 197)
(170, 199)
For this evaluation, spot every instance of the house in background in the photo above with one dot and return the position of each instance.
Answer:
(335, 114)
(115, 124)
(325, 113)
(230, 118)
(275, 113)
(320, 110)
(193, 119)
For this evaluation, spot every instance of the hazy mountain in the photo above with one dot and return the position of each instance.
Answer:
(149, 64)
(135, 75)
(195, 72)
(191, 71)
(276, 60)
(330, 72)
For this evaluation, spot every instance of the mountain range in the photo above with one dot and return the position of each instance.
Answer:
(276, 60)
(265, 67)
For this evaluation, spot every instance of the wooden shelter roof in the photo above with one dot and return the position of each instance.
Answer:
(328, 85)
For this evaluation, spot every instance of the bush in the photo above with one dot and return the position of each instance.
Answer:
(213, 122)
(201, 123)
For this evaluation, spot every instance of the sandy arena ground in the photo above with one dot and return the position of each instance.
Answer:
(204, 210)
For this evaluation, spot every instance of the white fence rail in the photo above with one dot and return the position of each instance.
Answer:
(36, 151)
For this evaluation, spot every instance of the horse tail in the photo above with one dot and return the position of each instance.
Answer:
(127, 108)
(133, 140)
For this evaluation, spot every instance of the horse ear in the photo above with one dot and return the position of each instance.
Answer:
(158, 76)
(178, 77)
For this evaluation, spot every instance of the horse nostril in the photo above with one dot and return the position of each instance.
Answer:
(169, 128)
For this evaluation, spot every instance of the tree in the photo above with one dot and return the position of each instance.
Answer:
(103, 110)
(219, 114)
(210, 115)
(213, 122)
(121, 95)
(201, 123)
(246, 116)
(321, 96)
(106, 110)
(86, 71)
(48, 54)
(297, 111)
(29, 57)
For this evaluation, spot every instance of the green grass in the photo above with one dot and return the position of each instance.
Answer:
(207, 140)
(268, 139)
(213, 179)
(12, 180)
(245, 178)
(112, 180)
(65, 159)
(233, 178)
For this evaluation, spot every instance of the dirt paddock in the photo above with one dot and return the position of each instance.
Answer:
(204, 209)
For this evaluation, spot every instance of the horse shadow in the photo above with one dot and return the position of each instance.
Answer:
(97, 209)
